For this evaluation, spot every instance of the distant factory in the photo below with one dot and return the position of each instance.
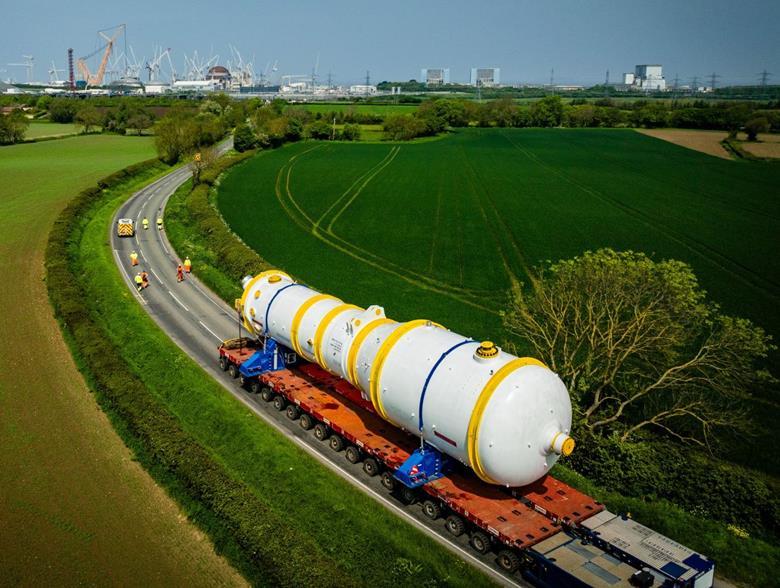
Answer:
(486, 77)
(646, 78)
(435, 76)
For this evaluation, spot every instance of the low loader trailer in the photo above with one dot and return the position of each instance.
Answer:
(548, 532)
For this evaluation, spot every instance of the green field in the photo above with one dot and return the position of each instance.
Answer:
(75, 508)
(381, 109)
(439, 230)
(36, 130)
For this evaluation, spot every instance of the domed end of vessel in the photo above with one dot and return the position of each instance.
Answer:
(562, 444)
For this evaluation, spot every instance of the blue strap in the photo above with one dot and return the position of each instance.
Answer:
(268, 308)
(430, 375)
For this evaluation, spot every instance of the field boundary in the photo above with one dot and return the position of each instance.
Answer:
(249, 536)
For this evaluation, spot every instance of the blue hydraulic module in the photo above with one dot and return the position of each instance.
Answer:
(270, 357)
(424, 465)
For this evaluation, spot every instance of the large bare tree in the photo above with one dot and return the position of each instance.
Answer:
(639, 346)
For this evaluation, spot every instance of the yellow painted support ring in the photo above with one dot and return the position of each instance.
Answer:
(472, 436)
(322, 327)
(252, 282)
(379, 362)
(296, 322)
(357, 343)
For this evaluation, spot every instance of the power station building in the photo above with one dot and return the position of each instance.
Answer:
(646, 77)
(435, 76)
(487, 77)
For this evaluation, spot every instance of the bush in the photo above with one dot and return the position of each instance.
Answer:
(755, 126)
(13, 127)
(350, 132)
(62, 110)
(244, 138)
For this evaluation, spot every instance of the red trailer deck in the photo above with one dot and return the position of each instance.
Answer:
(519, 521)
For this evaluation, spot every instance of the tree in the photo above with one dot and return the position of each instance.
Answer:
(244, 138)
(12, 127)
(320, 129)
(88, 117)
(139, 121)
(202, 160)
(639, 346)
(62, 110)
(350, 132)
(547, 112)
(755, 126)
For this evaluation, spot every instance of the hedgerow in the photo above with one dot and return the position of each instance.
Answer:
(254, 538)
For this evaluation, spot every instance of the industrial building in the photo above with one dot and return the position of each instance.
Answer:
(435, 76)
(487, 77)
(645, 77)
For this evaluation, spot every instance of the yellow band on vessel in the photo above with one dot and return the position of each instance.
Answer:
(379, 362)
(357, 343)
(472, 436)
(323, 326)
(296, 322)
(251, 283)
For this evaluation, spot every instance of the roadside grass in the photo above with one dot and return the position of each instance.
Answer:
(747, 560)
(308, 525)
(380, 109)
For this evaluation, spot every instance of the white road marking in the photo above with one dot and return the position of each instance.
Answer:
(128, 279)
(217, 337)
(207, 297)
(159, 279)
(177, 300)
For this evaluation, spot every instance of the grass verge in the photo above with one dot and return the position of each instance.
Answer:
(278, 515)
(192, 222)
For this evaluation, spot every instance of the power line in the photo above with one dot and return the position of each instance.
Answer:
(765, 75)
(695, 85)
(713, 80)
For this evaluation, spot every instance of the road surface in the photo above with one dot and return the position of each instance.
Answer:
(198, 321)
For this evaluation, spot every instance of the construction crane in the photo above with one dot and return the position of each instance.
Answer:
(97, 78)
(29, 64)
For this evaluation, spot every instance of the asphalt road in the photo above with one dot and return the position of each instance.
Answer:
(198, 321)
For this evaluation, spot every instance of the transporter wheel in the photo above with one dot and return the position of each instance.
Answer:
(293, 412)
(371, 467)
(480, 542)
(306, 422)
(336, 443)
(279, 403)
(267, 394)
(431, 509)
(321, 431)
(241, 380)
(388, 481)
(233, 370)
(223, 363)
(455, 525)
(255, 386)
(508, 560)
(352, 454)
(408, 495)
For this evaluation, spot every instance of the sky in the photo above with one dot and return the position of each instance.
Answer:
(580, 40)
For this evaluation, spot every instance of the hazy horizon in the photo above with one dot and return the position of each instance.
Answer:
(525, 39)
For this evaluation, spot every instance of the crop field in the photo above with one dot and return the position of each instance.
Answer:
(381, 109)
(74, 506)
(440, 230)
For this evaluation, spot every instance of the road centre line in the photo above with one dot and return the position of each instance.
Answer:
(177, 300)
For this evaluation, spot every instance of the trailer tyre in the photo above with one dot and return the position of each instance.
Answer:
(352, 454)
(431, 509)
(293, 412)
(336, 443)
(306, 422)
(408, 495)
(455, 525)
(508, 560)
(255, 386)
(321, 431)
(480, 542)
(388, 481)
(279, 403)
(371, 467)
(223, 364)
(267, 394)
(233, 370)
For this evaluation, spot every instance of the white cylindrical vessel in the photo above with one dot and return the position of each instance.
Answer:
(506, 417)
